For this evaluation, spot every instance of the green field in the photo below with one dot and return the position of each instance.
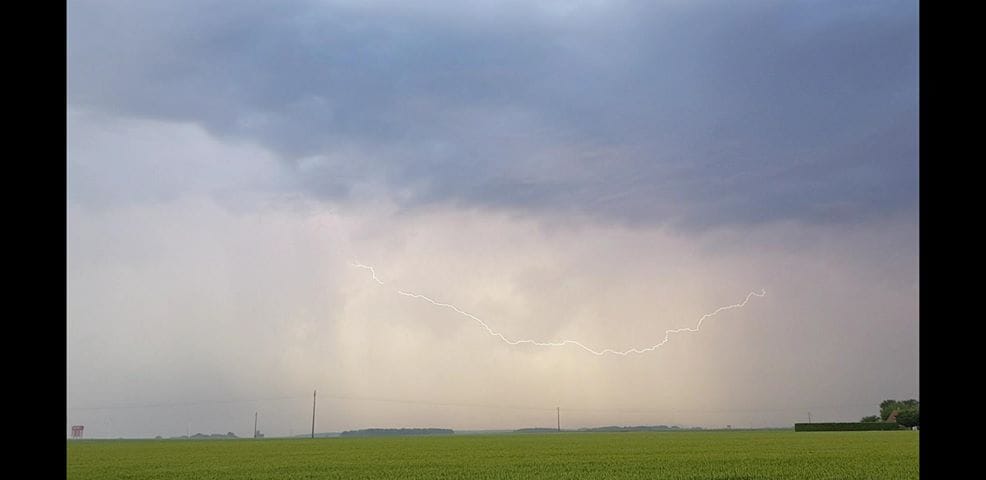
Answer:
(644, 455)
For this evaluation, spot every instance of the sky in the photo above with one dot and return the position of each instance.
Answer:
(596, 171)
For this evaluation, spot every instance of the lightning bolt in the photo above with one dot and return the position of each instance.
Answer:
(489, 330)
(372, 271)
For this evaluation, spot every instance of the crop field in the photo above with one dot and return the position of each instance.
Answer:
(643, 455)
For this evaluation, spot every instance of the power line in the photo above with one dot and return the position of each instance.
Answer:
(183, 404)
(729, 410)
(799, 408)
(334, 397)
(439, 404)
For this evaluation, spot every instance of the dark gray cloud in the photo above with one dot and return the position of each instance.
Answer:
(696, 114)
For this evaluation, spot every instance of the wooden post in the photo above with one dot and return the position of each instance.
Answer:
(314, 394)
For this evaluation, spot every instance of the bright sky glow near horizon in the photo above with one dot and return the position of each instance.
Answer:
(604, 171)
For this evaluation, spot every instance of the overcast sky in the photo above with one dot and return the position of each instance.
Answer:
(598, 171)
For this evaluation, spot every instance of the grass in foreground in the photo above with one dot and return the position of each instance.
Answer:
(650, 455)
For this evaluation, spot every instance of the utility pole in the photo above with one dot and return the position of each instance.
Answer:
(254, 424)
(558, 410)
(809, 417)
(314, 394)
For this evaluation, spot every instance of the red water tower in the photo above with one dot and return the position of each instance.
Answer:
(77, 431)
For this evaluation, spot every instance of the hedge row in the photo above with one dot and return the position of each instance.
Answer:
(844, 426)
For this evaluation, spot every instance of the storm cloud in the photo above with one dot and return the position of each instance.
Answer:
(590, 170)
(694, 113)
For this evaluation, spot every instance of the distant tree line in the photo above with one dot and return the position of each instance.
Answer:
(636, 428)
(370, 432)
(200, 436)
(610, 428)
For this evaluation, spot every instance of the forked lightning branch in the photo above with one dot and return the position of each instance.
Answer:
(489, 330)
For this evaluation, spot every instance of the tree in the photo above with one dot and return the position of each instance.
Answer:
(870, 419)
(909, 418)
(888, 407)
